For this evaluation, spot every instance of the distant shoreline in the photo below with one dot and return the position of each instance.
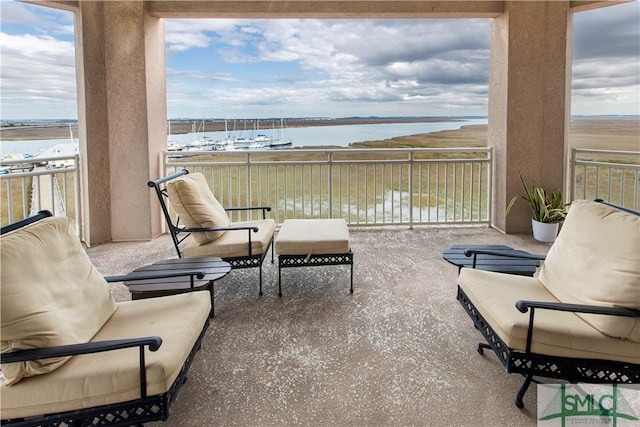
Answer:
(620, 133)
(61, 131)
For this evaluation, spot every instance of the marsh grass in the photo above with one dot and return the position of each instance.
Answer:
(362, 187)
(618, 186)
(15, 193)
(372, 187)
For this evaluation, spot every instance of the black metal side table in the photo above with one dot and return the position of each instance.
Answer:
(498, 258)
(213, 268)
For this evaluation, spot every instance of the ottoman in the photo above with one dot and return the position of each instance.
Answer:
(313, 242)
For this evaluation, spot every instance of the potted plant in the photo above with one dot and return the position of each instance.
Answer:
(547, 208)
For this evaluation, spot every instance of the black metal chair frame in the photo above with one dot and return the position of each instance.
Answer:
(24, 222)
(133, 412)
(179, 233)
(531, 364)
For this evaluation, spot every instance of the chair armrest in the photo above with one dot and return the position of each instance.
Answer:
(470, 252)
(250, 208)
(157, 182)
(75, 349)
(153, 343)
(230, 228)
(264, 209)
(523, 307)
(631, 211)
(153, 275)
(24, 222)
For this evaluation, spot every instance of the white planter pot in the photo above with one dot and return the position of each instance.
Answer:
(545, 231)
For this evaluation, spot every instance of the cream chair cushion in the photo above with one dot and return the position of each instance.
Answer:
(596, 261)
(97, 379)
(556, 333)
(192, 199)
(234, 243)
(51, 294)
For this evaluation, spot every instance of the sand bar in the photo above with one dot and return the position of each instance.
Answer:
(589, 133)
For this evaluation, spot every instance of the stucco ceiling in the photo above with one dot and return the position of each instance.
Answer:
(255, 9)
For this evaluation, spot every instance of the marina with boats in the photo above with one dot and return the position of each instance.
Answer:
(232, 139)
(207, 144)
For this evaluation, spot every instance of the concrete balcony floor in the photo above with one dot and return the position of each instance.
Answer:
(399, 351)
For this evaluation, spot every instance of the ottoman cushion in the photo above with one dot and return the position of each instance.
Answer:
(313, 236)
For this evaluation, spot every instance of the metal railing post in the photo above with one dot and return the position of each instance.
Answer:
(411, 190)
(489, 187)
(248, 185)
(78, 195)
(330, 182)
(572, 175)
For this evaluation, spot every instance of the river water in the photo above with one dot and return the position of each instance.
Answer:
(340, 136)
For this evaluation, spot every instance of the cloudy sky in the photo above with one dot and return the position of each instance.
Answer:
(337, 68)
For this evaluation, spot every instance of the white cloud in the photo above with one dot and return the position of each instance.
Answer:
(42, 20)
(357, 63)
(185, 34)
(30, 46)
(320, 67)
(14, 12)
(38, 77)
(184, 41)
(606, 61)
(420, 61)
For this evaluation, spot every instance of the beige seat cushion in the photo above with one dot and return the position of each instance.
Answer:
(192, 199)
(556, 333)
(234, 243)
(596, 260)
(313, 236)
(110, 377)
(51, 294)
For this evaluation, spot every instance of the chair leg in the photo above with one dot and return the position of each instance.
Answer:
(211, 313)
(351, 289)
(279, 278)
(523, 390)
(482, 346)
(260, 290)
(272, 251)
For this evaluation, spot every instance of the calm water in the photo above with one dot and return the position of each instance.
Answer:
(32, 147)
(340, 136)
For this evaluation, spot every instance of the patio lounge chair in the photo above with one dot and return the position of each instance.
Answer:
(583, 322)
(243, 244)
(71, 355)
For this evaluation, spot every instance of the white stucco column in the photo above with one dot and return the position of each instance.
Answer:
(122, 117)
(529, 103)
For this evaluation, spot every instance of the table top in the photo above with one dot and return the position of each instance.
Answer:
(214, 268)
(520, 266)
